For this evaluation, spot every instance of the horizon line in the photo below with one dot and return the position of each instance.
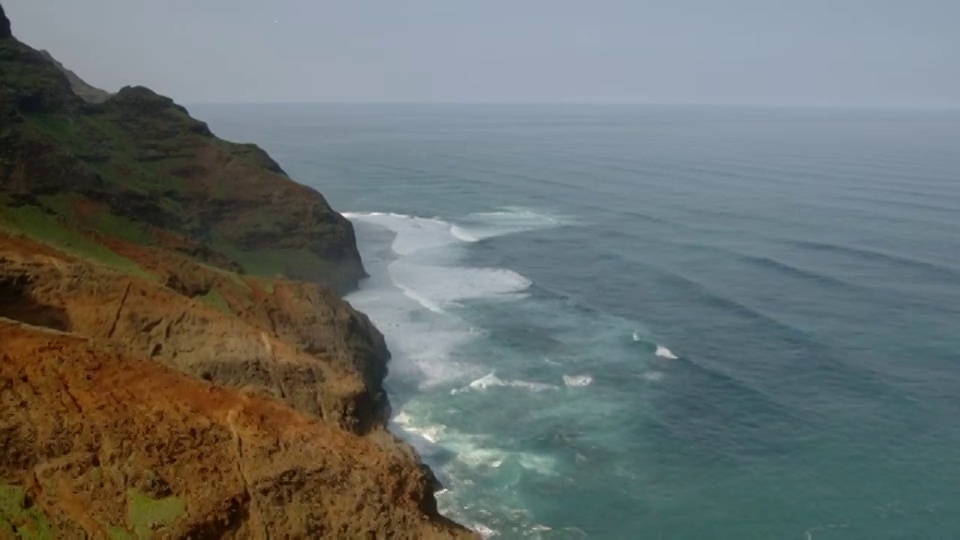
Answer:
(786, 105)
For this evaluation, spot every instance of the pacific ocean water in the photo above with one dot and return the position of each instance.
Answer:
(656, 321)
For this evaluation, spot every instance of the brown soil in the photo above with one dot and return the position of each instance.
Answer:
(266, 419)
(86, 431)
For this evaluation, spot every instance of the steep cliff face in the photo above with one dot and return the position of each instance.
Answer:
(298, 342)
(100, 445)
(4, 25)
(175, 360)
(80, 87)
(141, 157)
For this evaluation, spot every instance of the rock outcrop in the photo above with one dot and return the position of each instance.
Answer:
(297, 342)
(4, 25)
(80, 87)
(100, 445)
(140, 157)
(175, 358)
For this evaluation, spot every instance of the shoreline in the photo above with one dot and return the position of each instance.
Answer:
(178, 359)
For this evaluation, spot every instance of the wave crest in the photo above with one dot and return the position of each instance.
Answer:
(664, 352)
(491, 380)
(577, 380)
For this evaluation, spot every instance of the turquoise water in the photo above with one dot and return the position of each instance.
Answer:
(658, 322)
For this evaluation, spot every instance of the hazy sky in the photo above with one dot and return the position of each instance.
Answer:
(866, 52)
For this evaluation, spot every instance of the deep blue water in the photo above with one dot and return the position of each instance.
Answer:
(536, 269)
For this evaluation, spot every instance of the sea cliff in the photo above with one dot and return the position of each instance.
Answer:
(176, 359)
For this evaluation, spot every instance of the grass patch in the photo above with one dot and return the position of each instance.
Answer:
(232, 276)
(145, 515)
(216, 300)
(269, 286)
(280, 263)
(100, 142)
(62, 204)
(38, 225)
(118, 533)
(15, 518)
(102, 221)
(121, 227)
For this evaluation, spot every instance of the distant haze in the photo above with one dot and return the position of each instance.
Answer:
(769, 52)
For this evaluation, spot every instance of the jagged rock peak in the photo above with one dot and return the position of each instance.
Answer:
(81, 88)
(4, 24)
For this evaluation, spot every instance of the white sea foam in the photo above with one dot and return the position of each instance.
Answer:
(491, 380)
(509, 220)
(653, 376)
(485, 457)
(413, 233)
(410, 295)
(636, 336)
(462, 234)
(428, 248)
(417, 233)
(423, 341)
(664, 352)
(432, 433)
(402, 419)
(485, 532)
(471, 450)
(577, 380)
(420, 299)
(428, 432)
(436, 287)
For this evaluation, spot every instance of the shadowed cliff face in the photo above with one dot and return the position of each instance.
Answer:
(140, 157)
(4, 25)
(175, 360)
(80, 87)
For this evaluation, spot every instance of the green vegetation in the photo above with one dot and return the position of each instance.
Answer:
(100, 220)
(279, 263)
(24, 75)
(145, 514)
(216, 300)
(17, 516)
(269, 286)
(232, 276)
(118, 533)
(104, 146)
(121, 227)
(43, 227)
(136, 167)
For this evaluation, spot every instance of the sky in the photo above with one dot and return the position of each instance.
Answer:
(763, 52)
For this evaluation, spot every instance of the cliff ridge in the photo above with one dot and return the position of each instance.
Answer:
(176, 360)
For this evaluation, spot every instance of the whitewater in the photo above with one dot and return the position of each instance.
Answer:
(657, 322)
(419, 293)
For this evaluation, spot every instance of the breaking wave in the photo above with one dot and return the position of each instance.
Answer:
(664, 352)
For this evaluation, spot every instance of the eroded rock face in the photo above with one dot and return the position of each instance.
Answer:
(4, 25)
(175, 361)
(100, 444)
(80, 87)
(300, 343)
(267, 414)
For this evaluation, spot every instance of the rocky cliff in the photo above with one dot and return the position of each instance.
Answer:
(79, 86)
(175, 358)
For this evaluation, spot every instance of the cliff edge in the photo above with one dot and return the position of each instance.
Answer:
(175, 357)
(80, 87)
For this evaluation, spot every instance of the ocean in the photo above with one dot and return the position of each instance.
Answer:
(657, 321)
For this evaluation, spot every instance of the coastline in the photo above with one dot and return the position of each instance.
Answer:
(178, 360)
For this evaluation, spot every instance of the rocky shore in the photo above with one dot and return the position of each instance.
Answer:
(176, 360)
